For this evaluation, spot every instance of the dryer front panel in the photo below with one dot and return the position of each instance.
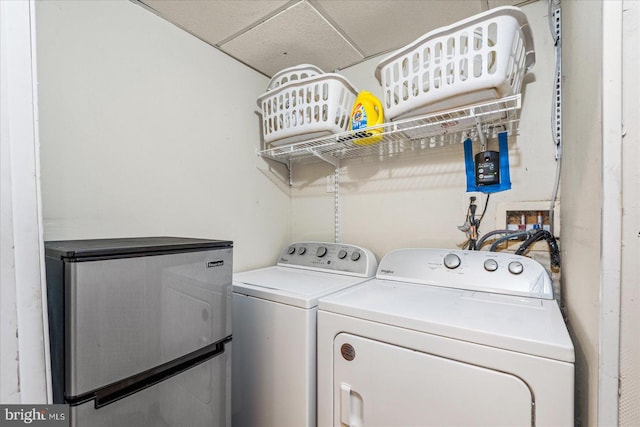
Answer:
(379, 384)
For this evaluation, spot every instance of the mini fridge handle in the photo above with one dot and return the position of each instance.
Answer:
(131, 385)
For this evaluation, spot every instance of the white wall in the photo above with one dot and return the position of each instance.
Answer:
(146, 130)
(630, 283)
(418, 201)
(582, 196)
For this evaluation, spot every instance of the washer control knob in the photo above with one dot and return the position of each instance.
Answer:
(516, 267)
(491, 265)
(452, 261)
(342, 254)
(321, 251)
(355, 256)
(291, 250)
(302, 250)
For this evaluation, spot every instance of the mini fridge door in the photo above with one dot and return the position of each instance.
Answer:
(198, 397)
(124, 316)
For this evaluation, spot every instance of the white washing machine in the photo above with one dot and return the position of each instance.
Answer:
(446, 338)
(274, 330)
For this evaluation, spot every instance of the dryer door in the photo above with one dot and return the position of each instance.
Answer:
(378, 384)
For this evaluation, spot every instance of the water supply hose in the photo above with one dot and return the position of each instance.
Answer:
(554, 251)
(515, 235)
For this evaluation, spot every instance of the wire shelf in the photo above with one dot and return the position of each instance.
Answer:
(415, 133)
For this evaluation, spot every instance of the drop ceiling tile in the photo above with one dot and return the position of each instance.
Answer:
(295, 36)
(215, 20)
(380, 26)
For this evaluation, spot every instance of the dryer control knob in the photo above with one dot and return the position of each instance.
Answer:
(302, 250)
(491, 265)
(516, 267)
(291, 250)
(342, 254)
(452, 261)
(355, 256)
(321, 251)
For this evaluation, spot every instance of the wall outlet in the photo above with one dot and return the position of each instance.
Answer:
(331, 183)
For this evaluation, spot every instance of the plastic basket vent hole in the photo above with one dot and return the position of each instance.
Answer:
(492, 61)
(325, 92)
(437, 78)
(437, 53)
(341, 117)
(426, 82)
(477, 66)
(450, 73)
(396, 95)
(511, 71)
(464, 69)
(325, 112)
(478, 36)
(343, 97)
(415, 62)
(415, 87)
(451, 48)
(405, 68)
(464, 44)
(426, 58)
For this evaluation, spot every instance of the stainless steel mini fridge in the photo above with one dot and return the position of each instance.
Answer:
(140, 330)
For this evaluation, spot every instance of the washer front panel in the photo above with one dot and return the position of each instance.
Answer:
(551, 382)
(378, 384)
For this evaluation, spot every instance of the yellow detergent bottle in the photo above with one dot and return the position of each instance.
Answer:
(367, 112)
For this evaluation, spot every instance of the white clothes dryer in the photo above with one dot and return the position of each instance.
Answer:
(446, 338)
(274, 330)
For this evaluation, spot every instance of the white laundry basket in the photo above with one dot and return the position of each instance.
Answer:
(305, 109)
(291, 74)
(477, 59)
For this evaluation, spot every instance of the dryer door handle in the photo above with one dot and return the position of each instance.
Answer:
(350, 406)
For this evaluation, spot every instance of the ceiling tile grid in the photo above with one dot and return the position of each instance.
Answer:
(270, 35)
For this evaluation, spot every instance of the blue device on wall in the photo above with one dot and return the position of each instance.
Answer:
(490, 171)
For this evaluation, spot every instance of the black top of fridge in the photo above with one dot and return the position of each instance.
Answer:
(92, 249)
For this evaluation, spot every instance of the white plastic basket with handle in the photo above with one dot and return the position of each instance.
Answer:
(291, 74)
(477, 59)
(305, 109)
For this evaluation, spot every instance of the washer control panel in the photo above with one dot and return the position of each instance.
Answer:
(335, 257)
(494, 272)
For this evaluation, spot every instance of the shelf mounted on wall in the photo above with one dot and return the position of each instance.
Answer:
(416, 133)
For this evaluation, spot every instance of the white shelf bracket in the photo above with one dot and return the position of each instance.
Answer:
(481, 136)
(329, 159)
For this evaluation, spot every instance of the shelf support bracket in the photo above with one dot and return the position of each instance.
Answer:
(329, 159)
(481, 136)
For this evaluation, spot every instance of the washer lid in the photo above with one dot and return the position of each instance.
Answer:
(526, 325)
(293, 286)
